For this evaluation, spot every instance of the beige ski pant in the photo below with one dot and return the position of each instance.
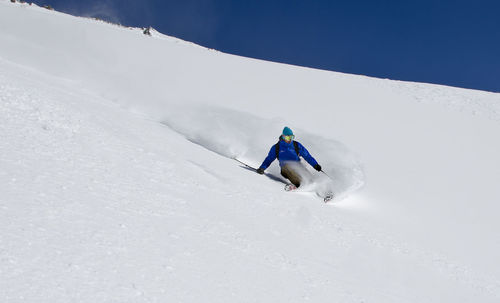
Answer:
(288, 172)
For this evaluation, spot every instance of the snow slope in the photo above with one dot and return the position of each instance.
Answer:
(117, 182)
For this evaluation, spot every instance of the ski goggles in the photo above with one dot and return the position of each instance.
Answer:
(288, 138)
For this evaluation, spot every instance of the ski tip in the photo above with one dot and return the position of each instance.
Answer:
(328, 197)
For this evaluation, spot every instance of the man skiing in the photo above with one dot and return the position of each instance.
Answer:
(288, 153)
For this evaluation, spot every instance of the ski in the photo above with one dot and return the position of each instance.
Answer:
(291, 187)
(328, 197)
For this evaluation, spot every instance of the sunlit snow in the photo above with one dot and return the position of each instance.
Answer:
(118, 181)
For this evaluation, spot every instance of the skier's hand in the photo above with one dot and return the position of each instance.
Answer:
(260, 171)
(317, 167)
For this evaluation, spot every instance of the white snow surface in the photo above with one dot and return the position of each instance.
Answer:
(117, 182)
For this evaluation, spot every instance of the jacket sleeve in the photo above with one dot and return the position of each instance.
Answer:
(270, 158)
(305, 154)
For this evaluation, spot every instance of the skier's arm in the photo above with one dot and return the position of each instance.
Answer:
(269, 159)
(307, 156)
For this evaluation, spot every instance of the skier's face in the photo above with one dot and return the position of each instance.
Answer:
(288, 139)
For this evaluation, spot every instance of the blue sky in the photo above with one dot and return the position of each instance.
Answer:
(447, 42)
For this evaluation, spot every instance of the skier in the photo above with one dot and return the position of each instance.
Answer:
(288, 153)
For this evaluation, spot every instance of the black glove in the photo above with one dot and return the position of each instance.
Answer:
(260, 171)
(317, 167)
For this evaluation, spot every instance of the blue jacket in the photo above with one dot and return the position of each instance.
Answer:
(287, 153)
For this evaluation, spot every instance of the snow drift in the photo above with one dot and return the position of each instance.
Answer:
(240, 135)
